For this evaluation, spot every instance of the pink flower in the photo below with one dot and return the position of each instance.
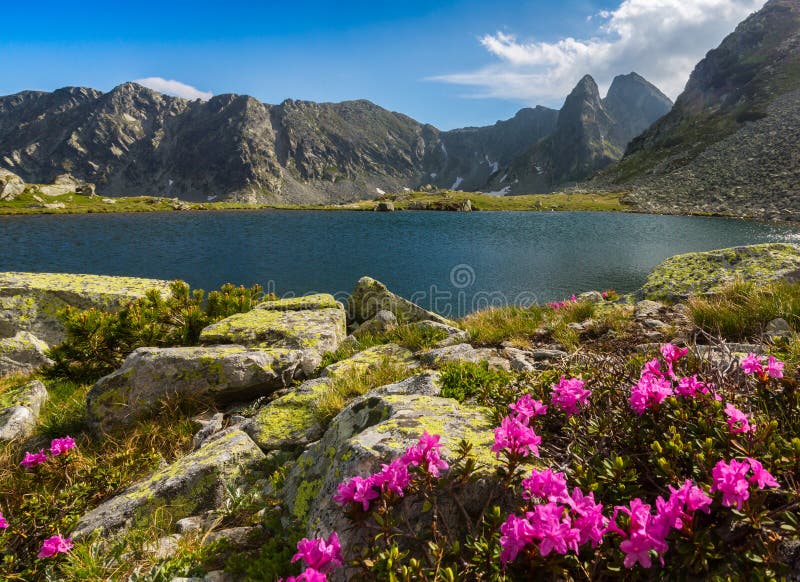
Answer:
(649, 393)
(751, 364)
(3, 522)
(516, 438)
(426, 453)
(692, 496)
(691, 387)
(393, 477)
(33, 459)
(590, 523)
(528, 408)
(644, 534)
(652, 369)
(553, 527)
(319, 554)
(356, 490)
(308, 575)
(731, 480)
(569, 395)
(55, 545)
(62, 445)
(774, 368)
(761, 476)
(546, 485)
(515, 534)
(738, 421)
(672, 354)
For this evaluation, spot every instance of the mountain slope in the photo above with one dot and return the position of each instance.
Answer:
(730, 143)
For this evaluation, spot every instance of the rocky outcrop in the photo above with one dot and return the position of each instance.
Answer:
(188, 486)
(22, 354)
(30, 302)
(371, 358)
(697, 273)
(315, 301)
(219, 374)
(19, 410)
(460, 353)
(66, 184)
(11, 185)
(371, 296)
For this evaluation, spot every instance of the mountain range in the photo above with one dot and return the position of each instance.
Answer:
(133, 140)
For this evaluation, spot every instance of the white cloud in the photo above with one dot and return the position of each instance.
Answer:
(660, 39)
(172, 87)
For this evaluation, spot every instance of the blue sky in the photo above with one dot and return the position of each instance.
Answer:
(449, 62)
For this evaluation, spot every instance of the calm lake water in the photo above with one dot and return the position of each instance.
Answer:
(451, 262)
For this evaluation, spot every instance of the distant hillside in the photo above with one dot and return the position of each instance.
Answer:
(730, 144)
(135, 141)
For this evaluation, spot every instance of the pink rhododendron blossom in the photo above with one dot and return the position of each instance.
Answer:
(691, 387)
(515, 437)
(644, 534)
(356, 490)
(738, 421)
(761, 476)
(553, 528)
(62, 445)
(546, 484)
(33, 459)
(751, 364)
(774, 368)
(426, 454)
(308, 575)
(319, 554)
(652, 369)
(692, 496)
(527, 408)
(649, 393)
(673, 353)
(55, 545)
(515, 534)
(393, 477)
(590, 521)
(3, 522)
(731, 480)
(569, 394)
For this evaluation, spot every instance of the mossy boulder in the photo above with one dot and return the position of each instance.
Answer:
(372, 430)
(306, 302)
(460, 353)
(681, 276)
(220, 374)
(23, 354)
(30, 301)
(191, 485)
(371, 358)
(19, 410)
(288, 423)
(371, 296)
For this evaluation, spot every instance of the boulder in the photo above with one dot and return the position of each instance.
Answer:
(454, 334)
(19, 410)
(372, 358)
(210, 427)
(288, 423)
(648, 309)
(681, 276)
(11, 185)
(315, 301)
(371, 296)
(22, 354)
(30, 301)
(383, 321)
(384, 206)
(220, 374)
(777, 328)
(591, 297)
(425, 384)
(464, 353)
(372, 430)
(191, 485)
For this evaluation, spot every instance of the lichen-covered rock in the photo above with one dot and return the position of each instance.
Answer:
(19, 410)
(321, 330)
(591, 297)
(11, 185)
(425, 384)
(383, 321)
(218, 373)
(315, 301)
(372, 430)
(464, 353)
(372, 358)
(696, 273)
(190, 485)
(30, 301)
(288, 423)
(454, 335)
(371, 296)
(23, 354)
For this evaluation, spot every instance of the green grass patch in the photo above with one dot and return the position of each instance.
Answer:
(464, 381)
(497, 325)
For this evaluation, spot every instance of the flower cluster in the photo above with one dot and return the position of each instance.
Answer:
(565, 522)
(57, 447)
(3, 522)
(731, 479)
(738, 421)
(55, 545)
(515, 436)
(559, 304)
(321, 557)
(394, 477)
(764, 368)
(569, 395)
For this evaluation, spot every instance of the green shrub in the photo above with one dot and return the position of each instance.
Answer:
(469, 381)
(98, 341)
